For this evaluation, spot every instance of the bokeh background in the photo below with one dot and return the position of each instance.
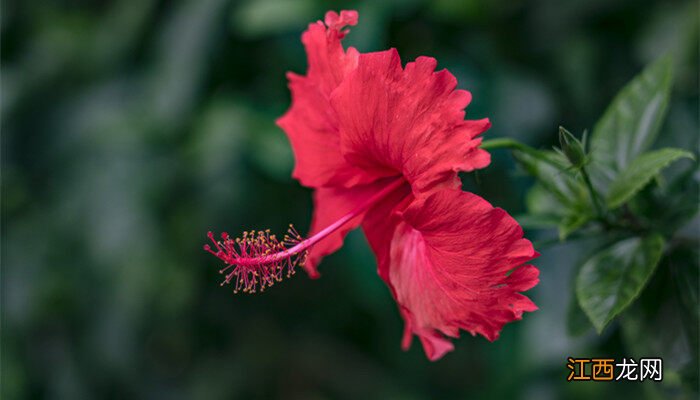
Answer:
(130, 128)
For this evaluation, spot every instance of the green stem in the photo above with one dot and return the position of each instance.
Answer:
(507, 143)
(500, 143)
(538, 244)
(594, 196)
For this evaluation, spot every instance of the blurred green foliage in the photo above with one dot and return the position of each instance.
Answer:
(130, 128)
(604, 191)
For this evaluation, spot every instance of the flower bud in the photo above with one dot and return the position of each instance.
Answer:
(572, 148)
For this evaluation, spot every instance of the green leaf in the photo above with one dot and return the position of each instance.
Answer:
(557, 192)
(611, 280)
(669, 308)
(639, 173)
(577, 323)
(561, 183)
(571, 223)
(631, 122)
(539, 201)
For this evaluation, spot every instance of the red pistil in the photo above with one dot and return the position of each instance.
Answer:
(260, 259)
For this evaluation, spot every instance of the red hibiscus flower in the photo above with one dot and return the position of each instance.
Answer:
(382, 145)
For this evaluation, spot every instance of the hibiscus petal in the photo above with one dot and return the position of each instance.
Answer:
(328, 62)
(379, 225)
(408, 121)
(310, 123)
(455, 262)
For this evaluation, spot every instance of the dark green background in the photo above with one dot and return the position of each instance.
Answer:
(130, 128)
